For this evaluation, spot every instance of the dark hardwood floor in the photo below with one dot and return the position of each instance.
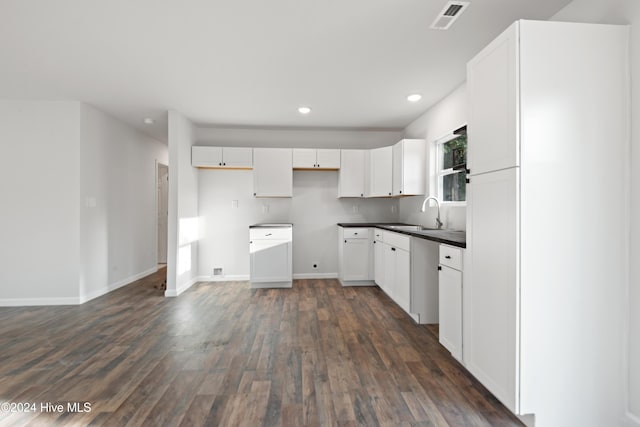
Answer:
(223, 354)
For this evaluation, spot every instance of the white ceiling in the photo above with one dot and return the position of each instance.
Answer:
(247, 62)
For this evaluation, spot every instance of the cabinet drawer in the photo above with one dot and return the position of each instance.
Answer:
(451, 257)
(397, 240)
(356, 233)
(378, 235)
(270, 234)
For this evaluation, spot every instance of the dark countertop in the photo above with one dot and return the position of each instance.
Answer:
(284, 225)
(449, 237)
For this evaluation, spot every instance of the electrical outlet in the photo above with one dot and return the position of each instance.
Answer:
(265, 208)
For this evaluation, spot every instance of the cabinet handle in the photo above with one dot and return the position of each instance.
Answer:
(250, 241)
(400, 191)
(224, 164)
(267, 235)
(318, 165)
(254, 194)
(393, 249)
(220, 164)
(345, 240)
(389, 193)
(355, 234)
(361, 195)
(374, 242)
(439, 268)
(447, 256)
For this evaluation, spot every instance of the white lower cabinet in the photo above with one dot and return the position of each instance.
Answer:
(450, 299)
(270, 253)
(355, 256)
(378, 267)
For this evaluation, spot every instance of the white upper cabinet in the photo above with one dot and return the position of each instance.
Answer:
(493, 78)
(352, 173)
(380, 176)
(311, 158)
(409, 167)
(272, 172)
(328, 158)
(222, 157)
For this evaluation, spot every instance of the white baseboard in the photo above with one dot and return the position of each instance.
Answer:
(26, 302)
(631, 420)
(227, 278)
(315, 276)
(181, 289)
(112, 287)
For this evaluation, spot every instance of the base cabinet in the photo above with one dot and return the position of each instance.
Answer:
(355, 256)
(450, 299)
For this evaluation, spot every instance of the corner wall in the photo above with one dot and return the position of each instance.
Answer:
(39, 186)
(184, 233)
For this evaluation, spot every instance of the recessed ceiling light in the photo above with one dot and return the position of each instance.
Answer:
(148, 121)
(304, 110)
(414, 97)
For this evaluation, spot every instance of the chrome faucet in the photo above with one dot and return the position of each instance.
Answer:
(439, 223)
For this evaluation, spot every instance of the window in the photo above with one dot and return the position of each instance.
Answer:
(451, 155)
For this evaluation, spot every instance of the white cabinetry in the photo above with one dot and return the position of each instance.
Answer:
(378, 257)
(409, 167)
(355, 253)
(397, 268)
(270, 248)
(222, 157)
(541, 294)
(352, 173)
(450, 299)
(272, 172)
(379, 172)
(320, 159)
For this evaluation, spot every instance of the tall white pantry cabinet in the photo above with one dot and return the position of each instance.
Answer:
(547, 226)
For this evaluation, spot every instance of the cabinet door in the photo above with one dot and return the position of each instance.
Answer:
(206, 156)
(381, 172)
(356, 259)
(270, 260)
(378, 262)
(492, 78)
(237, 157)
(304, 158)
(403, 279)
(272, 172)
(491, 321)
(328, 158)
(389, 270)
(414, 167)
(352, 173)
(397, 184)
(450, 309)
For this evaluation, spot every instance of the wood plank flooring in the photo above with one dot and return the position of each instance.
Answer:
(222, 354)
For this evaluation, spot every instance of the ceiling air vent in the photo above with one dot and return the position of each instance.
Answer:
(449, 14)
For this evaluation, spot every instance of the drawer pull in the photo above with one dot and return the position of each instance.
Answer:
(447, 256)
(393, 249)
(268, 234)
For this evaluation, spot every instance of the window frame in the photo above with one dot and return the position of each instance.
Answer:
(440, 173)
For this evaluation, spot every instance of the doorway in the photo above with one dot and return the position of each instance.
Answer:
(163, 211)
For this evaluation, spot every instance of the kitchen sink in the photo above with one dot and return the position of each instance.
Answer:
(410, 227)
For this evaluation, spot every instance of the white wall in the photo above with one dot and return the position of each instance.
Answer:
(446, 116)
(118, 203)
(624, 12)
(182, 253)
(299, 138)
(39, 187)
(314, 210)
